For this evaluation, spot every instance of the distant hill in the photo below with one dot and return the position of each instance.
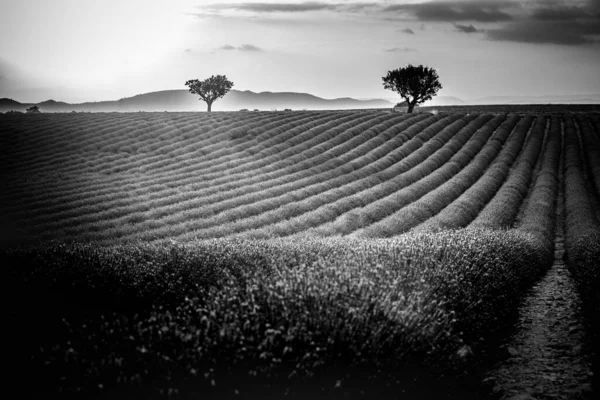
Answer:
(182, 100)
(564, 99)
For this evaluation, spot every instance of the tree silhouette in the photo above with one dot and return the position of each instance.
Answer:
(415, 84)
(33, 110)
(210, 89)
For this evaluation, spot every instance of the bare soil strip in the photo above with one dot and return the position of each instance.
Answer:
(548, 357)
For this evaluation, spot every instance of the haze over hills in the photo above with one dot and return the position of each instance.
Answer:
(493, 100)
(182, 100)
(556, 99)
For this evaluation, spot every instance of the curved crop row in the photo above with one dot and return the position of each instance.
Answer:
(192, 216)
(319, 208)
(99, 181)
(103, 196)
(280, 190)
(301, 318)
(109, 200)
(434, 191)
(582, 243)
(326, 139)
(330, 214)
(582, 225)
(465, 208)
(591, 145)
(60, 147)
(149, 142)
(502, 210)
(538, 213)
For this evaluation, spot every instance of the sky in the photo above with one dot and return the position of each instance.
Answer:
(88, 50)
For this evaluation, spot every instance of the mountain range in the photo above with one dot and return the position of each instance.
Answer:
(182, 100)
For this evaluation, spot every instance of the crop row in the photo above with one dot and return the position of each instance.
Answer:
(583, 228)
(101, 136)
(378, 140)
(462, 211)
(217, 135)
(410, 169)
(146, 186)
(301, 318)
(591, 144)
(89, 154)
(502, 209)
(269, 175)
(194, 212)
(409, 181)
(73, 201)
(403, 158)
(414, 204)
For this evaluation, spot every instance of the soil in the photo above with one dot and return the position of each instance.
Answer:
(549, 355)
(547, 358)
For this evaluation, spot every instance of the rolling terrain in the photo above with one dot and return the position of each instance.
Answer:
(309, 252)
(183, 100)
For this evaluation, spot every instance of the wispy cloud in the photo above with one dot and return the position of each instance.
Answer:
(452, 11)
(554, 32)
(187, 51)
(249, 47)
(534, 21)
(270, 7)
(466, 28)
(401, 50)
(244, 47)
(553, 22)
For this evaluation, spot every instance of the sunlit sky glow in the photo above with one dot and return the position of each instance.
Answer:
(84, 50)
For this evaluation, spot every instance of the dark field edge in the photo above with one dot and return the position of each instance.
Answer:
(516, 108)
(417, 316)
(582, 242)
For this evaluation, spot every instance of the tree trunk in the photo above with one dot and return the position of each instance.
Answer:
(411, 106)
(209, 106)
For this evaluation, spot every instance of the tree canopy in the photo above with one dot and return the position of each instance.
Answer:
(210, 89)
(415, 84)
(33, 110)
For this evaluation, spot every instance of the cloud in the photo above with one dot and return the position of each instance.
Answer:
(401, 50)
(560, 13)
(270, 7)
(532, 21)
(249, 47)
(553, 22)
(187, 51)
(462, 10)
(466, 28)
(243, 47)
(542, 32)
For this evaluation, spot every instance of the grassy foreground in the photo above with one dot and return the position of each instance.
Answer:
(218, 318)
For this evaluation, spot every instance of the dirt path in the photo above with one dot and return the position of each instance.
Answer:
(548, 357)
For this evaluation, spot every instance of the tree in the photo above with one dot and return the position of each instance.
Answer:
(210, 89)
(415, 84)
(33, 110)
